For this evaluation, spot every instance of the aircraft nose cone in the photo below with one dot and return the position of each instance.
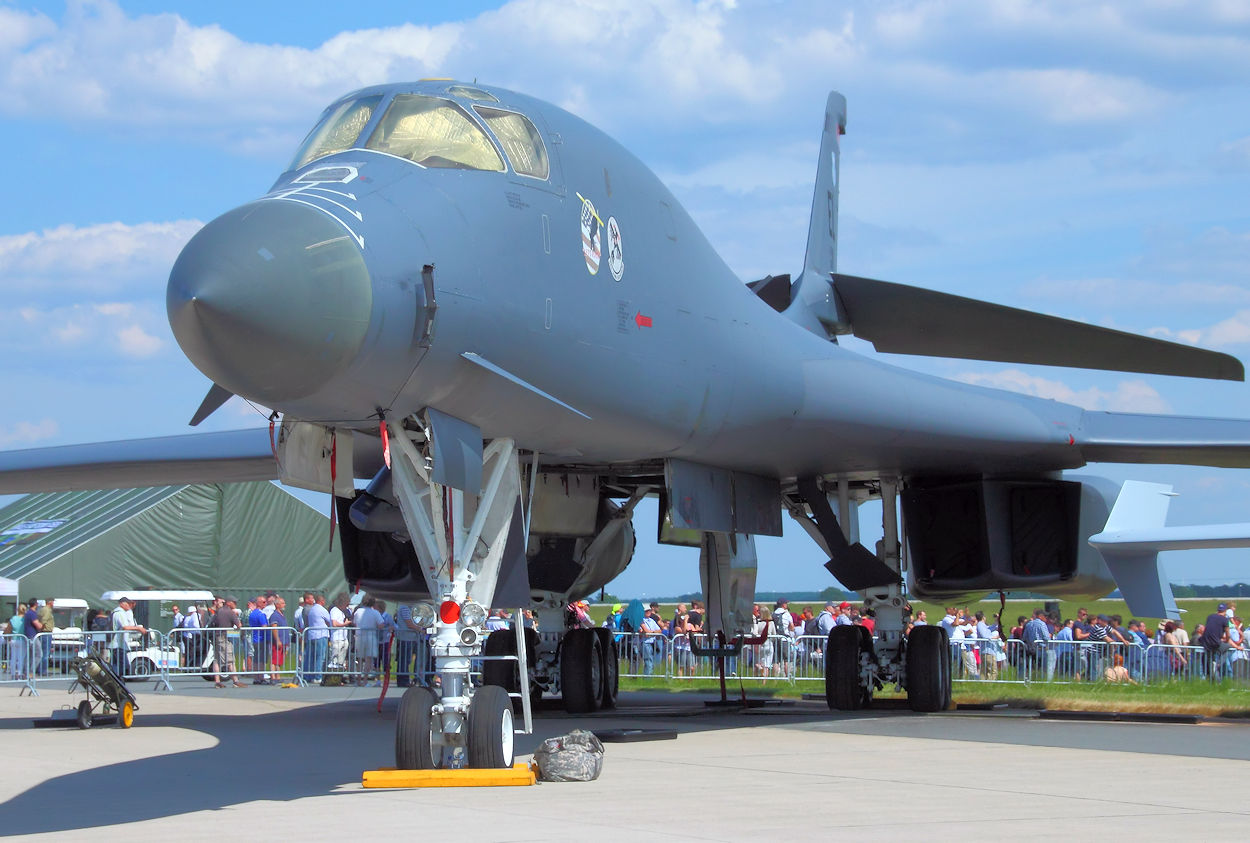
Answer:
(270, 300)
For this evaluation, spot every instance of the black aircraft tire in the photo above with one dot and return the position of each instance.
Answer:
(581, 666)
(84, 715)
(927, 679)
(842, 687)
(501, 642)
(412, 730)
(611, 671)
(491, 729)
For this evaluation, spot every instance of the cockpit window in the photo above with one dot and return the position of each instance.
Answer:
(337, 131)
(472, 93)
(434, 133)
(521, 141)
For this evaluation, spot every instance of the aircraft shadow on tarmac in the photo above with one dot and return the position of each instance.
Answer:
(283, 756)
(318, 749)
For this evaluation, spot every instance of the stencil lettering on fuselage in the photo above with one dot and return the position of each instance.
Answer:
(314, 192)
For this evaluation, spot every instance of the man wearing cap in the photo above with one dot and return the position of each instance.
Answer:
(826, 620)
(844, 615)
(1214, 639)
(123, 621)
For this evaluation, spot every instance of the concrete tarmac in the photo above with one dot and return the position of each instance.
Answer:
(202, 762)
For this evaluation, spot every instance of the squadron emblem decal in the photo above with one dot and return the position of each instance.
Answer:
(616, 258)
(590, 235)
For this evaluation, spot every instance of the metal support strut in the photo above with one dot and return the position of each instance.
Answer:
(459, 536)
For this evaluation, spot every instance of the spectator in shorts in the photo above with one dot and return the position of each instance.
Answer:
(280, 634)
(223, 620)
(783, 643)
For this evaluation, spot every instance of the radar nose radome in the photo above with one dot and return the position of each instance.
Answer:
(270, 300)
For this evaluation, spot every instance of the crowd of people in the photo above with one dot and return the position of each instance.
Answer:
(356, 642)
(1104, 647)
(779, 639)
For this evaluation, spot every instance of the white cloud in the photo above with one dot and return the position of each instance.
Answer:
(18, 29)
(25, 433)
(133, 341)
(1133, 396)
(613, 61)
(1234, 330)
(127, 330)
(101, 65)
(95, 260)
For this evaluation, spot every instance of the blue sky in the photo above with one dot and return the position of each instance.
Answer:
(1087, 159)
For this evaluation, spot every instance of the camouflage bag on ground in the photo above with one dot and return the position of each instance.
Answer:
(575, 757)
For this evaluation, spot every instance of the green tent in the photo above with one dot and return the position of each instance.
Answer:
(233, 537)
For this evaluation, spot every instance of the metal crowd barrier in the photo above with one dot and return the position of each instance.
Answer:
(262, 654)
(349, 655)
(15, 660)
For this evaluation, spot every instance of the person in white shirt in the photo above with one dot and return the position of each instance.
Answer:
(119, 643)
(368, 621)
(192, 652)
(339, 620)
(960, 630)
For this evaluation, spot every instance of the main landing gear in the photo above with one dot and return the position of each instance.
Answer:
(919, 663)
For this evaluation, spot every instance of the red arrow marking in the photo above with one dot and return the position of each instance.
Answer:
(642, 321)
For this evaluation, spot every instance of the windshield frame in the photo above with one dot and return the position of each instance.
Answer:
(474, 120)
(327, 119)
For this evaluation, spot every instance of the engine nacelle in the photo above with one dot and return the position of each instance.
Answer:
(969, 536)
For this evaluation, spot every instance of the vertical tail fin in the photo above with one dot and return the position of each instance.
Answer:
(822, 229)
(813, 303)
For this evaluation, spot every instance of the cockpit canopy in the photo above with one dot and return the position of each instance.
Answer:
(432, 131)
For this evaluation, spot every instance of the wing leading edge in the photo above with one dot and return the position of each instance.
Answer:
(230, 456)
(900, 319)
(1166, 440)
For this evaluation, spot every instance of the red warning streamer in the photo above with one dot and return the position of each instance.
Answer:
(334, 455)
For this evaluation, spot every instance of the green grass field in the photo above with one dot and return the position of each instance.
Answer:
(1225, 699)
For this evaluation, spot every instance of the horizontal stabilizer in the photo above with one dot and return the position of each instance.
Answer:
(900, 319)
(1140, 507)
(1134, 535)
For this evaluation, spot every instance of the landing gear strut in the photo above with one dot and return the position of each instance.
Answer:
(459, 517)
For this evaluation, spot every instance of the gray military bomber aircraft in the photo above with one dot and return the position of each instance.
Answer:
(505, 323)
